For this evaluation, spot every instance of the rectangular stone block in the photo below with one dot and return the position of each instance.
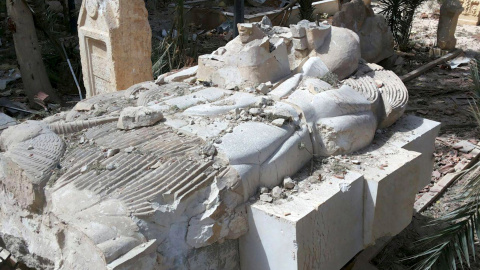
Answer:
(318, 229)
(416, 134)
(300, 44)
(115, 47)
(325, 228)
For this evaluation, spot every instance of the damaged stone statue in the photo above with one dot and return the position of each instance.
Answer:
(157, 176)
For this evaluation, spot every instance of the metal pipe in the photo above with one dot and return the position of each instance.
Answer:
(239, 15)
(73, 73)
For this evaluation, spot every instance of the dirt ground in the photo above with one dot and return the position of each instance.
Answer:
(442, 95)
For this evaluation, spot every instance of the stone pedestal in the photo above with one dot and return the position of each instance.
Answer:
(471, 12)
(327, 226)
(447, 24)
(115, 45)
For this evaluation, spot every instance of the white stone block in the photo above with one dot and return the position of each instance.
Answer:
(418, 134)
(320, 229)
(300, 44)
(297, 31)
(325, 228)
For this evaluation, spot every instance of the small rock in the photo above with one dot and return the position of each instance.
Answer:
(112, 152)
(288, 183)
(278, 122)
(30, 147)
(255, 111)
(129, 149)
(263, 190)
(135, 117)
(111, 167)
(276, 192)
(209, 150)
(263, 88)
(218, 141)
(83, 169)
(82, 140)
(356, 162)
(266, 198)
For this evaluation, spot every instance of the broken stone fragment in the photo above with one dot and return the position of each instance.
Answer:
(135, 117)
(297, 31)
(276, 192)
(255, 111)
(266, 22)
(83, 106)
(111, 152)
(209, 150)
(263, 190)
(129, 149)
(288, 183)
(266, 198)
(278, 122)
(263, 88)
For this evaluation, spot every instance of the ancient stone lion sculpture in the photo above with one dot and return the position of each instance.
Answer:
(156, 176)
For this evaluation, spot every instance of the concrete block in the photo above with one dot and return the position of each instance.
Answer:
(321, 229)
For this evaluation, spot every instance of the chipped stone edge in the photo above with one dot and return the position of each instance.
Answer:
(362, 261)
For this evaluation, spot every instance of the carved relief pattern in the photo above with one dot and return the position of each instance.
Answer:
(471, 7)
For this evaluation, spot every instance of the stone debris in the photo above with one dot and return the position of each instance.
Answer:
(288, 183)
(278, 122)
(266, 198)
(136, 117)
(277, 192)
(111, 152)
(129, 149)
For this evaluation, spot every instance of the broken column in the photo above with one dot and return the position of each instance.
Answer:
(115, 45)
(449, 13)
(471, 12)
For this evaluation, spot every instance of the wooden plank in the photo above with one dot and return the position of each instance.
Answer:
(419, 71)
(28, 51)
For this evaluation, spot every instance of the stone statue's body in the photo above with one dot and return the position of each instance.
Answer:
(109, 180)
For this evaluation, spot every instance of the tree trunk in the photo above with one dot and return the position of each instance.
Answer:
(29, 57)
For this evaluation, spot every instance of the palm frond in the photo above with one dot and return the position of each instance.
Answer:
(399, 15)
(455, 241)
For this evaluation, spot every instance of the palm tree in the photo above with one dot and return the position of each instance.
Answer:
(455, 242)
